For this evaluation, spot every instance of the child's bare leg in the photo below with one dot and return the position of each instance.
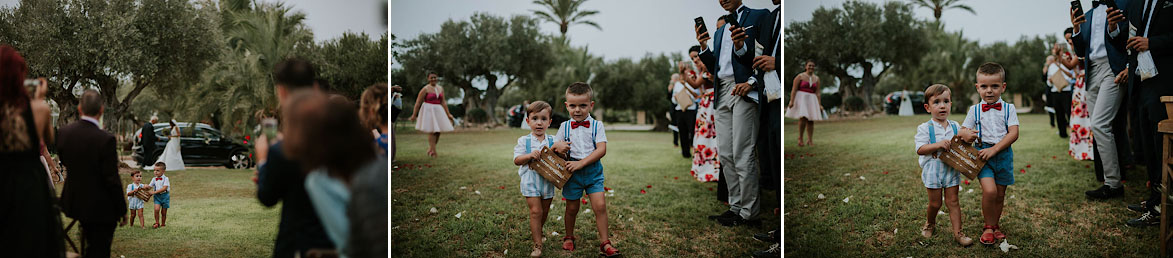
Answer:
(546, 210)
(571, 214)
(954, 205)
(141, 219)
(990, 211)
(164, 218)
(934, 205)
(1000, 202)
(535, 219)
(599, 204)
(132, 218)
(157, 208)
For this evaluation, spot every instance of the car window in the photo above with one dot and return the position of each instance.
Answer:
(209, 133)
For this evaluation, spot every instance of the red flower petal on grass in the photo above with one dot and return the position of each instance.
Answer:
(563, 198)
(1087, 166)
(1020, 171)
(502, 187)
(607, 188)
(966, 182)
(583, 201)
(643, 192)
(710, 189)
(675, 178)
(1027, 165)
(885, 172)
(1052, 157)
(649, 186)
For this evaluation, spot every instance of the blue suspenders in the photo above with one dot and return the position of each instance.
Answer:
(933, 139)
(594, 131)
(549, 141)
(978, 121)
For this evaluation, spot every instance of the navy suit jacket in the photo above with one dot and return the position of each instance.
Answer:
(768, 39)
(1160, 46)
(742, 64)
(1115, 45)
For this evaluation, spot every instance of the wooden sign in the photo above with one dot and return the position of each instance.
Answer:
(962, 157)
(551, 167)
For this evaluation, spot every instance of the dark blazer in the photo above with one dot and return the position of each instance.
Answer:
(281, 179)
(93, 190)
(742, 64)
(1115, 45)
(148, 136)
(1160, 46)
(768, 37)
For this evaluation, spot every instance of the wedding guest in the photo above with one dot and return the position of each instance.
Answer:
(93, 190)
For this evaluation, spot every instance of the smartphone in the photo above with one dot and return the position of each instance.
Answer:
(700, 22)
(1111, 4)
(1075, 5)
(731, 19)
(269, 127)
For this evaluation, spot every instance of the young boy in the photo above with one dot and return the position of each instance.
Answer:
(537, 191)
(931, 138)
(583, 141)
(133, 202)
(997, 128)
(162, 193)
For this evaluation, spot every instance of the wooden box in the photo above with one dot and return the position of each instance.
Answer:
(144, 194)
(551, 167)
(962, 157)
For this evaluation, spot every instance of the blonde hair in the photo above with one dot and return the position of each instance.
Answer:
(934, 90)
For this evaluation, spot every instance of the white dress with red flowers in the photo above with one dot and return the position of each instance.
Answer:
(704, 141)
(1080, 131)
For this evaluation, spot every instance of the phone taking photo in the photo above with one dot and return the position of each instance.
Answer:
(731, 19)
(700, 22)
(1075, 5)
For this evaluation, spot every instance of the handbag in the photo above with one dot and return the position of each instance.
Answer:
(684, 99)
(1058, 81)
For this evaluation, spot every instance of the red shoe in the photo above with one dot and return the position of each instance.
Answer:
(568, 246)
(998, 233)
(609, 252)
(987, 237)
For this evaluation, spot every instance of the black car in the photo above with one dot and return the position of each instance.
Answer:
(200, 144)
(892, 102)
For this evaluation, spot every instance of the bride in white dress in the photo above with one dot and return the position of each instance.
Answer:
(171, 154)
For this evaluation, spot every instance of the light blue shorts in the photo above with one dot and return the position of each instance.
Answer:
(533, 185)
(589, 179)
(163, 199)
(1000, 167)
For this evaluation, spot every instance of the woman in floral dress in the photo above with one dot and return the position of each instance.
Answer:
(1079, 132)
(705, 165)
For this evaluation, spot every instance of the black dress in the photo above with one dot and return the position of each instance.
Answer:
(30, 221)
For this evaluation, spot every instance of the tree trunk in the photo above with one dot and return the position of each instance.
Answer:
(491, 94)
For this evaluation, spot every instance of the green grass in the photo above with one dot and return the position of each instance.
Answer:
(670, 220)
(1046, 212)
(214, 213)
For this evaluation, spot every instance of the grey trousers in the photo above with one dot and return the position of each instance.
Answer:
(737, 136)
(1103, 101)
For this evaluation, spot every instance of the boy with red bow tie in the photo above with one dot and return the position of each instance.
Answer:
(162, 193)
(997, 128)
(583, 141)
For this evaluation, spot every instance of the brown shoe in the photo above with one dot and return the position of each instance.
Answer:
(927, 230)
(962, 239)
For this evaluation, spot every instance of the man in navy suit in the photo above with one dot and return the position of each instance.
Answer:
(770, 144)
(1100, 40)
(1154, 18)
(730, 62)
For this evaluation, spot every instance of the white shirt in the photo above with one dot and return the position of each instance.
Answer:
(1099, 27)
(159, 184)
(535, 144)
(994, 123)
(679, 86)
(928, 162)
(727, 49)
(92, 120)
(581, 145)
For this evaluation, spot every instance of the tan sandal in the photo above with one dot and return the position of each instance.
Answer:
(962, 239)
(537, 251)
(927, 229)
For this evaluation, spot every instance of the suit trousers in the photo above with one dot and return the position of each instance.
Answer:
(737, 136)
(1103, 100)
(98, 236)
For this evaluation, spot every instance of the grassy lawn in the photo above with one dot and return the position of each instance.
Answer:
(669, 220)
(214, 213)
(1046, 212)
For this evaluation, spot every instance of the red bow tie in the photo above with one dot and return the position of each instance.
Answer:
(576, 124)
(159, 178)
(987, 107)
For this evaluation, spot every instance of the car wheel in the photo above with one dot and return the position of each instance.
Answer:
(239, 160)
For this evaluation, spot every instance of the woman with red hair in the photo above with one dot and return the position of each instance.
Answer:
(29, 220)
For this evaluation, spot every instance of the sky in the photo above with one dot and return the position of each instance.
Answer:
(996, 20)
(329, 19)
(630, 28)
